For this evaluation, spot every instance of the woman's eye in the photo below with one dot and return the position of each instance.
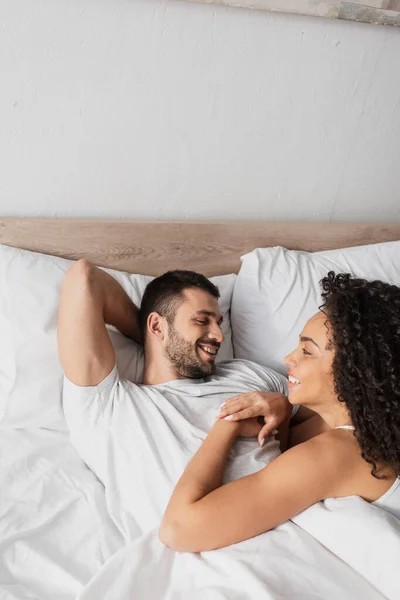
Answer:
(306, 352)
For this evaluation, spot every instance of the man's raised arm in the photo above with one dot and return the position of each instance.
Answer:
(90, 299)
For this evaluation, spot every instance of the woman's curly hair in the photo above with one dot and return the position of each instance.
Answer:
(364, 330)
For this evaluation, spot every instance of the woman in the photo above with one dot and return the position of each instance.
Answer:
(346, 369)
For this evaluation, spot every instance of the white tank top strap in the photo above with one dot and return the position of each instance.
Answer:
(345, 427)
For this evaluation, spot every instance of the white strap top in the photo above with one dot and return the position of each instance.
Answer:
(390, 501)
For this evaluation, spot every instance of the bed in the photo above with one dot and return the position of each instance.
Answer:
(58, 540)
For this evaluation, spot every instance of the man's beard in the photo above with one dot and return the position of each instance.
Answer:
(184, 358)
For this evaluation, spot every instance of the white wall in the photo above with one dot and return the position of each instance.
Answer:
(147, 108)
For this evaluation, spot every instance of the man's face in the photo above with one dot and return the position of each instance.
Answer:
(195, 335)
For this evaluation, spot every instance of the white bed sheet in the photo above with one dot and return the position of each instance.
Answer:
(58, 542)
(55, 530)
(344, 549)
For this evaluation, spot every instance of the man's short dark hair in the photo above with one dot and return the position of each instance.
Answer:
(165, 293)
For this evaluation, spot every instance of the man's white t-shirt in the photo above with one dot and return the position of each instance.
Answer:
(138, 439)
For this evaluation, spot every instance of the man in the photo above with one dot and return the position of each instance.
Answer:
(138, 438)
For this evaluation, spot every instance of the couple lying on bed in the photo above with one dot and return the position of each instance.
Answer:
(344, 375)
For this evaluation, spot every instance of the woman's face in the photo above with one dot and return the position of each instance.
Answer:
(310, 365)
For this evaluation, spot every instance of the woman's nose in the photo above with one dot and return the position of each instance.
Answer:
(289, 360)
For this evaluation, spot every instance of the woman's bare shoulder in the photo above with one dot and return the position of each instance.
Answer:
(320, 436)
(333, 454)
(337, 456)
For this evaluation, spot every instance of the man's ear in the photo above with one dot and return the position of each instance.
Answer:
(156, 325)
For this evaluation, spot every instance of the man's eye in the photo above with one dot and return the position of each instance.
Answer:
(202, 322)
(306, 352)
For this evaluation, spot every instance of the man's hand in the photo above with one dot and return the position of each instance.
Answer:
(272, 406)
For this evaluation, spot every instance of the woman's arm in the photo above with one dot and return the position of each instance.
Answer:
(203, 515)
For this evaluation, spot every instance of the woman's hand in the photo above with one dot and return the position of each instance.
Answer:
(272, 406)
(248, 428)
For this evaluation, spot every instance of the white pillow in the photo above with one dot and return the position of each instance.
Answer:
(277, 291)
(30, 371)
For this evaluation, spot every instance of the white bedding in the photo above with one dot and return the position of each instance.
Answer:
(55, 531)
(58, 542)
(337, 550)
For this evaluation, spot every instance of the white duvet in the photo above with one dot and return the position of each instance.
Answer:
(55, 531)
(290, 562)
(58, 542)
(339, 549)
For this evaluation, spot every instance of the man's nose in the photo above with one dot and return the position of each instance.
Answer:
(216, 334)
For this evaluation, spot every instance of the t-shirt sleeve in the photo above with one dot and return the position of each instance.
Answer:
(88, 412)
(89, 402)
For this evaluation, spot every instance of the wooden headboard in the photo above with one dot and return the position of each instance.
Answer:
(152, 247)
